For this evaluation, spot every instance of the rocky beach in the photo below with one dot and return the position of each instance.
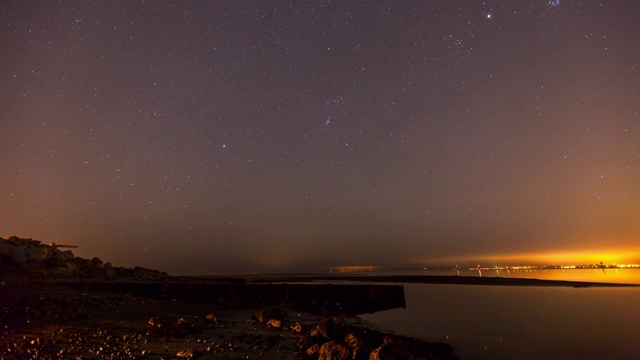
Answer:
(46, 315)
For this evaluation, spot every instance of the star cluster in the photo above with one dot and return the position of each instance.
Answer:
(242, 136)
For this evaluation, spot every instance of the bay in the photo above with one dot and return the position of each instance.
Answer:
(504, 322)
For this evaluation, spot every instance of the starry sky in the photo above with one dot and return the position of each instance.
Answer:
(202, 137)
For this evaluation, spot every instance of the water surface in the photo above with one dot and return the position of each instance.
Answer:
(503, 322)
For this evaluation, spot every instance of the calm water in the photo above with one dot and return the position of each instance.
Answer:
(500, 322)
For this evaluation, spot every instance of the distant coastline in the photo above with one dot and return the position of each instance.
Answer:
(423, 279)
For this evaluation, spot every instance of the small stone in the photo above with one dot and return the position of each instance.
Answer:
(297, 327)
(274, 323)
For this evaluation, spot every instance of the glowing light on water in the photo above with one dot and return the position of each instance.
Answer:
(354, 269)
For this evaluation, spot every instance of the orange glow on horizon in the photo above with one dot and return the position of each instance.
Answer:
(565, 257)
(352, 269)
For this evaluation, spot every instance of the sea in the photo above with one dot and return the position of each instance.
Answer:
(523, 322)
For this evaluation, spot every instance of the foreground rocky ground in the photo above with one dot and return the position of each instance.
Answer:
(42, 319)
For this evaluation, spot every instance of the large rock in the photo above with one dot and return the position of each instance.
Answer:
(20, 255)
(6, 249)
(310, 339)
(328, 328)
(337, 340)
(334, 350)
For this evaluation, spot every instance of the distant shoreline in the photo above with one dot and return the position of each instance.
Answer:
(419, 279)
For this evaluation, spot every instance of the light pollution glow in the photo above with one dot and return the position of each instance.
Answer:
(565, 257)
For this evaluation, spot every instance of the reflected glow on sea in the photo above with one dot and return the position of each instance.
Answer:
(508, 322)
(521, 322)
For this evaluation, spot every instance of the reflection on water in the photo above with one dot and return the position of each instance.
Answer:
(631, 276)
(500, 322)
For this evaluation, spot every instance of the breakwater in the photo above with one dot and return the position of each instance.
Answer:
(345, 298)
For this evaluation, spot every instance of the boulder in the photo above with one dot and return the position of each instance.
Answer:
(352, 340)
(6, 248)
(19, 256)
(313, 349)
(334, 350)
(310, 339)
(328, 328)
(32, 264)
(46, 259)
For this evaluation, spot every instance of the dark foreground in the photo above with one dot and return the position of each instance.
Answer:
(55, 305)
(45, 320)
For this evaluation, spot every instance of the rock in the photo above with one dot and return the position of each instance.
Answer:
(352, 341)
(157, 321)
(140, 272)
(313, 349)
(297, 327)
(96, 261)
(308, 340)
(6, 249)
(32, 264)
(328, 328)
(212, 319)
(334, 350)
(274, 323)
(275, 312)
(389, 351)
(18, 241)
(57, 260)
(188, 354)
(19, 256)
(63, 272)
(182, 328)
(46, 259)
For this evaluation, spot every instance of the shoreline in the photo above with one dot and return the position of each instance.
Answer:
(409, 279)
(44, 319)
(59, 306)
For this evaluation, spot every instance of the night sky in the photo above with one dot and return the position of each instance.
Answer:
(202, 137)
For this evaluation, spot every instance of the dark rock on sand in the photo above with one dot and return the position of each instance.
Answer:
(337, 340)
(328, 328)
(334, 350)
(276, 312)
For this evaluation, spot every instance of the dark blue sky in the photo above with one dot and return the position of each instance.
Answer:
(242, 136)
